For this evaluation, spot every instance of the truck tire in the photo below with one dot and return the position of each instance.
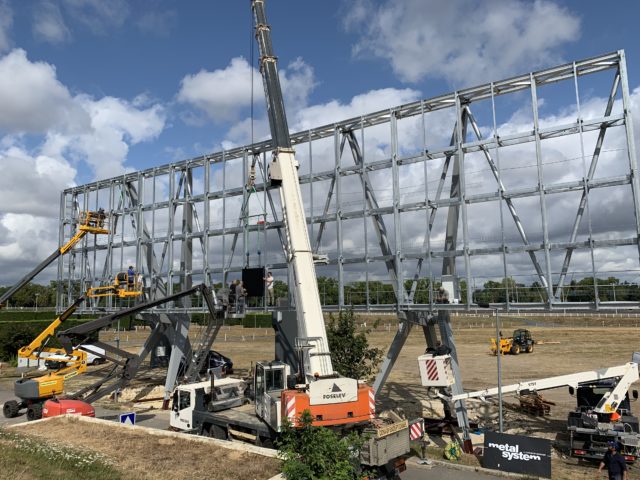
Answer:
(34, 412)
(515, 350)
(218, 432)
(529, 348)
(10, 409)
(264, 442)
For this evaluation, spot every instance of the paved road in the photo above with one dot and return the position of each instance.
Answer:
(152, 418)
(160, 419)
(420, 472)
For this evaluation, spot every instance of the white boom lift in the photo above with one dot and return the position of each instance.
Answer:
(627, 374)
(435, 371)
(603, 412)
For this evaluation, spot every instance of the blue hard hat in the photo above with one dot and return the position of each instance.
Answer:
(612, 444)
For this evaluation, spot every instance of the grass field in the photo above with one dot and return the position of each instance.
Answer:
(583, 344)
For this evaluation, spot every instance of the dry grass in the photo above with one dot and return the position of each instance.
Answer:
(584, 345)
(148, 457)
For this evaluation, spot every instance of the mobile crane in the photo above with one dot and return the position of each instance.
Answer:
(88, 222)
(330, 398)
(602, 414)
(302, 377)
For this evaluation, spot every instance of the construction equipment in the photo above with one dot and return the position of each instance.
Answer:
(121, 287)
(521, 341)
(331, 399)
(590, 431)
(32, 392)
(88, 222)
(603, 412)
(302, 376)
(127, 364)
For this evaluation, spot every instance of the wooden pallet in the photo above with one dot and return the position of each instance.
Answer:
(535, 404)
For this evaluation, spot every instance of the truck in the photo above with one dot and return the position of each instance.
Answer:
(222, 408)
(603, 412)
(590, 431)
(301, 377)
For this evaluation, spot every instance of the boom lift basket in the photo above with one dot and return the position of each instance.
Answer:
(435, 370)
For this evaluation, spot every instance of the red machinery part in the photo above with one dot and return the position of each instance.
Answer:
(53, 408)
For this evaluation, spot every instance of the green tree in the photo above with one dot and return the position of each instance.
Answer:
(328, 290)
(317, 453)
(14, 338)
(350, 351)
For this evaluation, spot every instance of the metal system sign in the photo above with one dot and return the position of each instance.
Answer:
(523, 190)
(518, 454)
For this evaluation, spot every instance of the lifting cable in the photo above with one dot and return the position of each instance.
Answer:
(251, 189)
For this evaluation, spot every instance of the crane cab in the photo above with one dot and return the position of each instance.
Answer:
(269, 381)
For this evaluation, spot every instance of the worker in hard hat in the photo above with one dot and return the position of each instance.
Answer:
(615, 463)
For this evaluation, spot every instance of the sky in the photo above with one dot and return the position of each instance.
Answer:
(91, 89)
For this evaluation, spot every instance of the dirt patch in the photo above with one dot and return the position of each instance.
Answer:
(142, 456)
(585, 343)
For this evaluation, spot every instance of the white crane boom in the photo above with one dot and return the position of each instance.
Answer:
(283, 171)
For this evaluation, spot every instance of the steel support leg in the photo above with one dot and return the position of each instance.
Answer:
(179, 346)
(446, 333)
(404, 328)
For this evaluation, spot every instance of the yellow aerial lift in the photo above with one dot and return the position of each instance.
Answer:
(32, 392)
(123, 287)
(88, 222)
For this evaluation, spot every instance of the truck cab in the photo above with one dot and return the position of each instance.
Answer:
(590, 431)
(192, 402)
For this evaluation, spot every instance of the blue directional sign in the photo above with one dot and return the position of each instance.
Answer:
(128, 418)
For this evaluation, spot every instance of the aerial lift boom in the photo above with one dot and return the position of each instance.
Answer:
(126, 364)
(627, 374)
(89, 222)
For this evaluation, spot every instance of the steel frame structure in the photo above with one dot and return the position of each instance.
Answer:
(187, 221)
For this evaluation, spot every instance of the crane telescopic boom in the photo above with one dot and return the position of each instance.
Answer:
(284, 172)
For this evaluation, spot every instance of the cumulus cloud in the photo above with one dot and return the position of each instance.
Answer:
(368, 102)
(116, 124)
(462, 41)
(48, 24)
(6, 21)
(221, 94)
(48, 136)
(224, 94)
(33, 100)
(43, 177)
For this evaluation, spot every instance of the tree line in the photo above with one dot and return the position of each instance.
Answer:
(381, 293)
